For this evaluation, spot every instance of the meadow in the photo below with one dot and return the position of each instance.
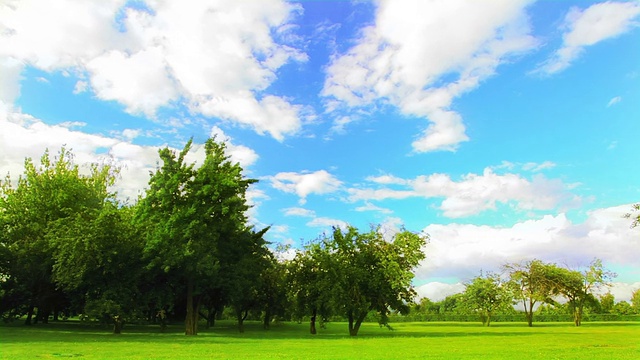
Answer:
(605, 340)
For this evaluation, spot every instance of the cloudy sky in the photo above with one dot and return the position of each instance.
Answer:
(505, 129)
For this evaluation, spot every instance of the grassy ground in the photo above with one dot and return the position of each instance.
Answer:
(292, 341)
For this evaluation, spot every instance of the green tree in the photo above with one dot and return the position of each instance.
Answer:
(186, 211)
(45, 196)
(532, 283)
(578, 287)
(374, 274)
(634, 215)
(622, 308)
(99, 255)
(485, 295)
(311, 278)
(607, 301)
(635, 301)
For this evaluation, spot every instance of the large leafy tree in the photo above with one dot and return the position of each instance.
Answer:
(186, 211)
(532, 283)
(374, 274)
(485, 295)
(45, 197)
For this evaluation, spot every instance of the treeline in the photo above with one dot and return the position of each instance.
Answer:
(544, 291)
(183, 250)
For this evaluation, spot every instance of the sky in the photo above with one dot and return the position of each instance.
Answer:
(506, 130)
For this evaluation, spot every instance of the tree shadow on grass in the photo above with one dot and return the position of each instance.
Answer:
(226, 332)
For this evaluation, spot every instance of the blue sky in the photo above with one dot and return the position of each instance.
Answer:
(506, 130)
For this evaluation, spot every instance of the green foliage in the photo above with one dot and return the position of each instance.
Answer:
(354, 273)
(634, 215)
(46, 198)
(532, 282)
(186, 212)
(486, 295)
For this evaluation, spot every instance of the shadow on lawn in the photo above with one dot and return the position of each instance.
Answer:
(224, 332)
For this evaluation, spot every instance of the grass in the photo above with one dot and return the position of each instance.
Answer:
(291, 341)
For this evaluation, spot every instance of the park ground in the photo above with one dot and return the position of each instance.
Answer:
(428, 340)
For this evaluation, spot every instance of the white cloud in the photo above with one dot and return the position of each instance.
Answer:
(585, 28)
(462, 250)
(614, 101)
(394, 62)
(370, 207)
(475, 193)
(22, 135)
(303, 184)
(241, 154)
(296, 211)
(215, 57)
(325, 222)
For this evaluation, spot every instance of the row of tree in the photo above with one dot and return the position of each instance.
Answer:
(531, 286)
(185, 248)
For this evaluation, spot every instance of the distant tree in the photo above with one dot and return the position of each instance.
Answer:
(532, 282)
(622, 308)
(486, 295)
(578, 287)
(635, 301)
(186, 211)
(607, 301)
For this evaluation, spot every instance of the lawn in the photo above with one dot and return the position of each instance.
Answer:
(604, 340)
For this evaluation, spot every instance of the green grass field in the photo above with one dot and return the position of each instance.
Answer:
(292, 341)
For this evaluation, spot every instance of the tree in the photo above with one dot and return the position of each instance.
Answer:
(311, 276)
(578, 287)
(607, 301)
(374, 274)
(45, 196)
(635, 218)
(99, 256)
(485, 295)
(532, 282)
(635, 301)
(186, 211)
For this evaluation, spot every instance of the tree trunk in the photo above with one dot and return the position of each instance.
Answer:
(267, 319)
(577, 316)
(488, 318)
(354, 323)
(530, 314)
(27, 321)
(118, 322)
(312, 323)
(191, 321)
(240, 320)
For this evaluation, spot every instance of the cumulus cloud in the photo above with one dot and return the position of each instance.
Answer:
(474, 193)
(588, 27)
(394, 62)
(296, 211)
(437, 291)
(216, 58)
(462, 250)
(241, 154)
(305, 183)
